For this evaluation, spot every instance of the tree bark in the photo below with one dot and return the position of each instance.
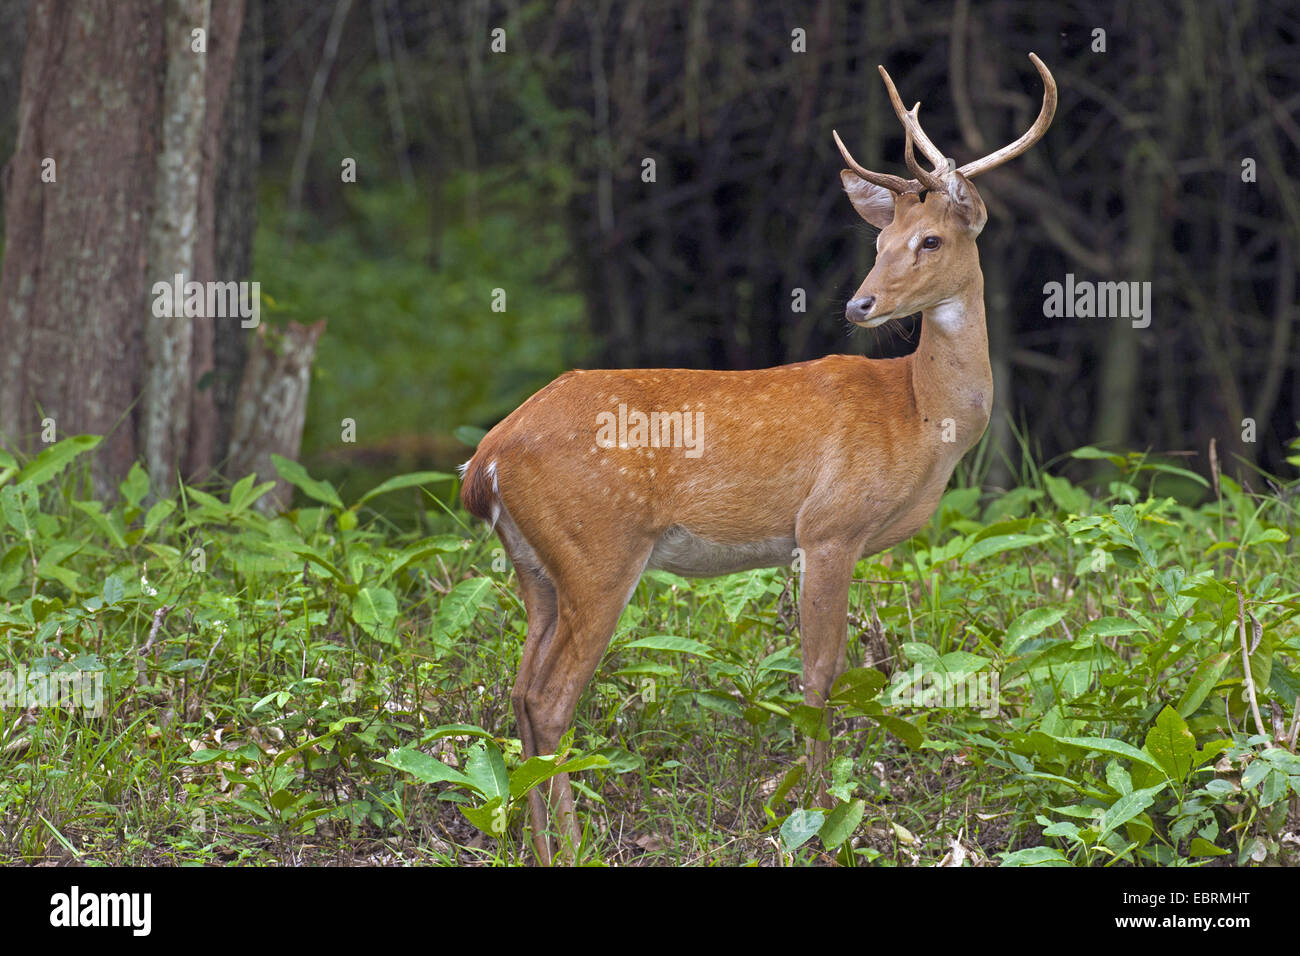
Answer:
(272, 404)
(119, 152)
(169, 338)
(73, 291)
(235, 220)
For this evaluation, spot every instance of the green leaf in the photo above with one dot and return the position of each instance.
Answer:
(135, 486)
(673, 643)
(1117, 778)
(109, 525)
(486, 769)
(1274, 789)
(491, 818)
(1127, 807)
(54, 459)
(1202, 681)
(243, 493)
(374, 609)
(788, 782)
(800, 827)
(454, 730)
(1088, 452)
(424, 768)
(1175, 470)
(310, 554)
(406, 481)
(1257, 771)
(460, 607)
(1202, 847)
(1013, 503)
(19, 506)
(738, 591)
(997, 544)
(904, 730)
(1107, 745)
(1284, 682)
(841, 822)
(114, 590)
(857, 687)
(1066, 496)
(159, 513)
(1030, 624)
(1036, 856)
(296, 475)
(535, 770)
(200, 757)
(811, 721)
(1109, 627)
(917, 652)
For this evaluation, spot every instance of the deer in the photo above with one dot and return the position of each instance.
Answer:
(603, 474)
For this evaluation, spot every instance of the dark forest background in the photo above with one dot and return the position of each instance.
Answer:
(521, 170)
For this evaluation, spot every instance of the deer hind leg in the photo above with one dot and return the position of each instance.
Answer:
(557, 667)
(540, 604)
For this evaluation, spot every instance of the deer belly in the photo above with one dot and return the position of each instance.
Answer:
(687, 554)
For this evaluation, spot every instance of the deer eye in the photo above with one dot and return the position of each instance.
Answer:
(930, 242)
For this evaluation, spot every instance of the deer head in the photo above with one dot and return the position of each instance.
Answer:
(925, 253)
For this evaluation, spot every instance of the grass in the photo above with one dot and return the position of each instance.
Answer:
(331, 686)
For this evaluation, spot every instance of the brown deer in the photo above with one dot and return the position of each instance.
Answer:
(603, 474)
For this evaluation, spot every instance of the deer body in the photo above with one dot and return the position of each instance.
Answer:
(827, 460)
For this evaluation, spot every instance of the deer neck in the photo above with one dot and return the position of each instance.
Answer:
(952, 380)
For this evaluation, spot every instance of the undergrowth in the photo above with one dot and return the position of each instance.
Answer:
(1043, 676)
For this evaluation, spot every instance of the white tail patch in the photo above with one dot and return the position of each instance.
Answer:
(496, 492)
(496, 488)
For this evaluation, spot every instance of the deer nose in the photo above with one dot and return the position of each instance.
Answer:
(859, 309)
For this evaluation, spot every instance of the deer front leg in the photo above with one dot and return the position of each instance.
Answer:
(823, 629)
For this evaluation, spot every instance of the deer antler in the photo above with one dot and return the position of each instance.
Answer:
(926, 179)
(893, 183)
(912, 125)
(914, 134)
(1033, 135)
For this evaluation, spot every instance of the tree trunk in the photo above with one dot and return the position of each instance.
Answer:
(122, 140)
(272, 405)
(235, 222)
(169, 338)
(73, 289)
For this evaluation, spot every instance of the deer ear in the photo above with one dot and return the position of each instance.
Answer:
(874, 203)
(967, 203)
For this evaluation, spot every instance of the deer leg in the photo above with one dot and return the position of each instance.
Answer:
(588, 610)
(540, 605)
(823, 629)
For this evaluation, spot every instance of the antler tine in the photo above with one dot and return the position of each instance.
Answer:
(893, 183)
(910, 122)
(927, 179)
(1033, 135)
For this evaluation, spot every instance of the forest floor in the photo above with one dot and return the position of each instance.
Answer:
(1045, 675)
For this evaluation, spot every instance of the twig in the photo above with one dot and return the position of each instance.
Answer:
(1245, 662)
(159, 616)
